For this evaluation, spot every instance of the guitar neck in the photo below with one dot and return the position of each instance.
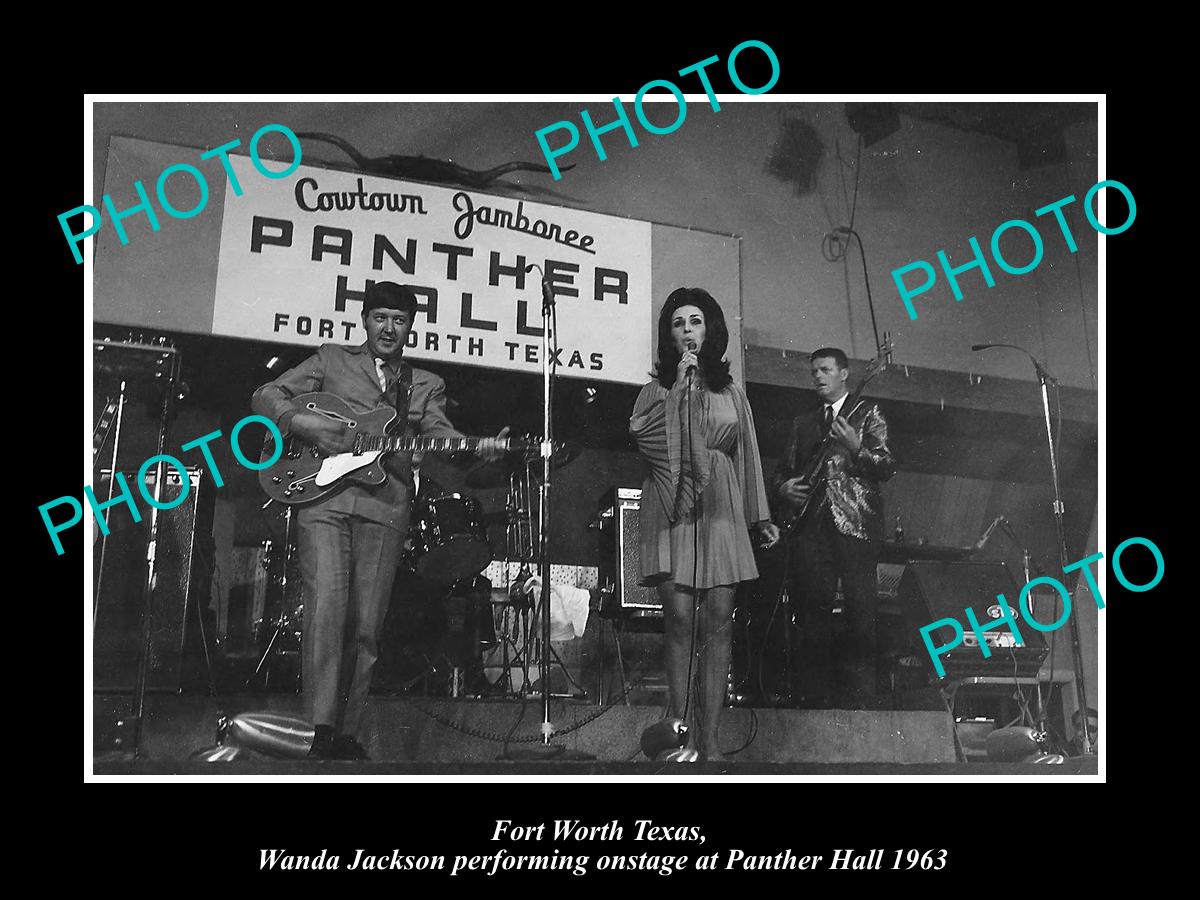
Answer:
(849, 408)
(402, 443)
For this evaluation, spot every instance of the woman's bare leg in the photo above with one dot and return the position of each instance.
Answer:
(716, 641)
(678, 609)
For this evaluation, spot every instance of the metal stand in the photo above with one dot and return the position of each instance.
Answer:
(1027, 561)
(112, 480)
(546, 750)
(579, 693)
(1044, 378)
(511, 616)
(160, 473)
(284, 617)
(521, 549)
(616, 630)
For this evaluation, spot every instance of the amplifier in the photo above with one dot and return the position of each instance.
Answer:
(939, 590)
(136, 359)
(182, 584)
(620, 567)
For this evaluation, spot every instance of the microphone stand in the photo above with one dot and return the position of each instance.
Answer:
(546, 750)
(112, 480)
(1044, 379)
(1026, 560)
(138, 706)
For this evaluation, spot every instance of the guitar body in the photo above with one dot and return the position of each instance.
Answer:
(796, 521)
(305, 474)
(812, 475)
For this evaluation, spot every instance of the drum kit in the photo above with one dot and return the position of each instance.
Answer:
(447, 551)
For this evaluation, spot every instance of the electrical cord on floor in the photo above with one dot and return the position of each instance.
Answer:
(532, 738)
(749, 740)
(513, 730)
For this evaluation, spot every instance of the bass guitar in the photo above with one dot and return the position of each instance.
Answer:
(815, 473)
(305, 473)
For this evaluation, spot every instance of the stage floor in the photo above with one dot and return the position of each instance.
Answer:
(427, 736)
(1073, 766)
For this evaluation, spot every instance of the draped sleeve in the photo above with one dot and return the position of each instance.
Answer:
(660, 426)
(749, 463)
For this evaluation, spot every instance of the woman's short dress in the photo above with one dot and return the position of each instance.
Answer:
(705, 472)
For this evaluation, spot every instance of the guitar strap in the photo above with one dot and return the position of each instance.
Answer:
(403, 396)
(404, 393)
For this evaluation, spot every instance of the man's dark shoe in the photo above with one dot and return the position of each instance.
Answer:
(346, 747)
(322, 745)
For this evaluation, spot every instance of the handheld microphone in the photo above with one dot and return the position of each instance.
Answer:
(547, 293)
(691, 370)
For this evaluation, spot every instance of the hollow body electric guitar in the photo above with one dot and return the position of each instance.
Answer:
(815, 472)
(304, 473)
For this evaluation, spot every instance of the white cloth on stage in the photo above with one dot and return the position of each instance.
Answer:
(569, 607)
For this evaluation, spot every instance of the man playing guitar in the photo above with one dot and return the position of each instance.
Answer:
(837, 535)
(350, 541)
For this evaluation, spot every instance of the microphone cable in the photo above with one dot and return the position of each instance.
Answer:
(695, 556)
(787, 562)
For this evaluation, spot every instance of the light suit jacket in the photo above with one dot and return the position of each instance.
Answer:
(349, 372)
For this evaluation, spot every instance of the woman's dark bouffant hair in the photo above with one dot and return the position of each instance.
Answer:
(713, 368)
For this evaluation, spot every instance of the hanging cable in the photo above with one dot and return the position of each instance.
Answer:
(857, 170)
(1087, 340)
(834, 250)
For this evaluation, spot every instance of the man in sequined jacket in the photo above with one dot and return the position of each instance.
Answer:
(839, 538)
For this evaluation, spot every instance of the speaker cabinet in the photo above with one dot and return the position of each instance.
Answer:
(182, 583)
(620, 567)
(939, 590)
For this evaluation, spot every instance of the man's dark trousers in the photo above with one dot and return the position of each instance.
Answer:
(836, 658)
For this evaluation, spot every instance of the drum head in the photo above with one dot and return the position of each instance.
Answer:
(460, 557)
(451, 540)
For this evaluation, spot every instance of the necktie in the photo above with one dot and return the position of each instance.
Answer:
(828, 423)
(382, 373)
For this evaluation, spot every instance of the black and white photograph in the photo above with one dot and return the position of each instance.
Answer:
(704, 432)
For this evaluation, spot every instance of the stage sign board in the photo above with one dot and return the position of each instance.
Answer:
(287, 260)
(295, 260)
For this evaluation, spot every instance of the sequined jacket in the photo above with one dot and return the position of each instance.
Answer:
(851, 497)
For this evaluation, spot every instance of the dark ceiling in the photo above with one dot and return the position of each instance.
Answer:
(1008, 121)
(1035, 127)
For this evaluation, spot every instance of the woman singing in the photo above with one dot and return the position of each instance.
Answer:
(704, 491)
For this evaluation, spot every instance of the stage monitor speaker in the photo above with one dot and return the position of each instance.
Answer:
(620, 567)
(940, 590)
(183, 573)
